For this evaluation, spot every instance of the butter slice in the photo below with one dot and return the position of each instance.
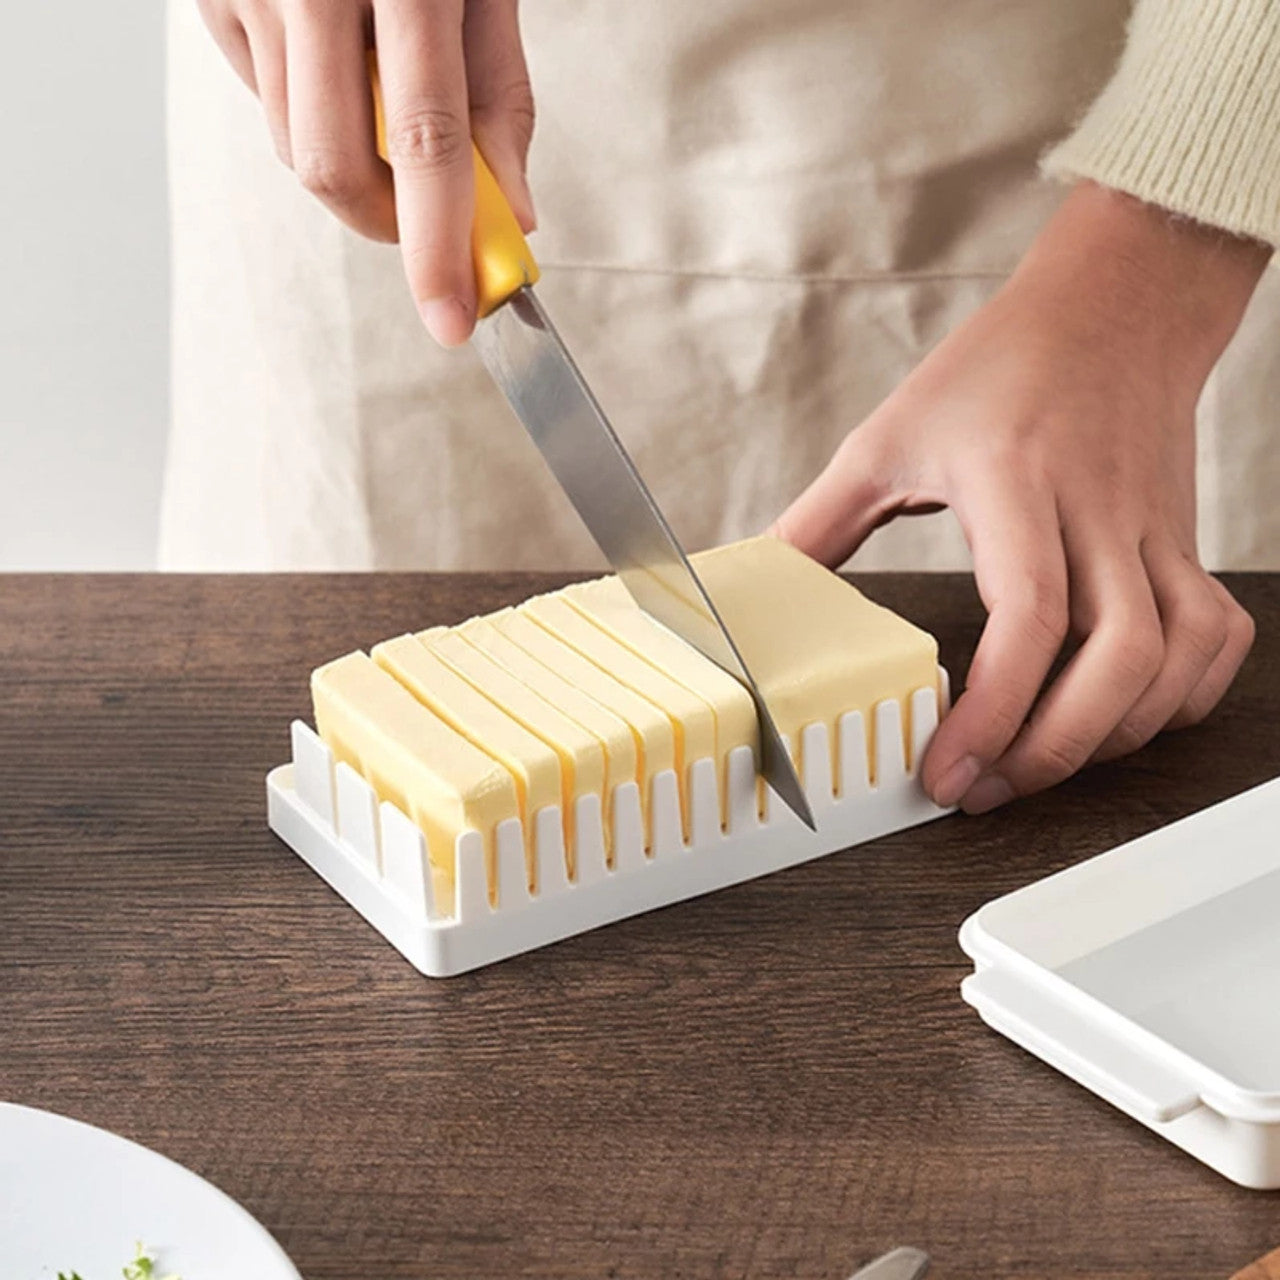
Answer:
(582, 768)
(691, 717)
(534, 766)
(610, 730)
(816, 646)
(609, 604)
(651, 728)
(411, 758)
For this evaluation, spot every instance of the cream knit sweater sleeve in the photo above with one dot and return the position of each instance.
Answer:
(1191, 119)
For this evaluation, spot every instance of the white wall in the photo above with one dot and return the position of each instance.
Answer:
(83, 283)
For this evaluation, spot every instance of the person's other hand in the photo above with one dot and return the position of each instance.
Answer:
(1058, 424)
(450, 69)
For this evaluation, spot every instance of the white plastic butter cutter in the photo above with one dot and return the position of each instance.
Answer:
(1151, 975)
(375, 857)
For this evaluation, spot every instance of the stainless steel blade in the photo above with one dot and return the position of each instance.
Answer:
(898, 1264)
(529, 362)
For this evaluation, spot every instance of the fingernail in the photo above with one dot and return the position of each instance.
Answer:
(448, 320)
(988, 793)
(956, 781)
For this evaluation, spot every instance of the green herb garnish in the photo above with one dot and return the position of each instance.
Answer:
(143, 1267)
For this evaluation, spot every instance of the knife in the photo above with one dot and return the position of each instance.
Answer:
(519, 345)
(898, 1264)
(1267, 1268)
(531, 365)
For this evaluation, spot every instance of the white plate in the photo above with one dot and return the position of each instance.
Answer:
(76, 1198)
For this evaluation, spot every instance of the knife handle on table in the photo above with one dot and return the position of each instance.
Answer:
(503, 260)
(1267, 1268)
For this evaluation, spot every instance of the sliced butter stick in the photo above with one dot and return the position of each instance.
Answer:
(691, 717)
(816, 646)
(608, 604)
(651, 728)
(582, 766)
(534, 765)
(413, 759)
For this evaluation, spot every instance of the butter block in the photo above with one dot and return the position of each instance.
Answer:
(691, 717)
(533, 765)
(816, 646)
(651, 729)
(579, 692)
(413, 759)
(582, 762)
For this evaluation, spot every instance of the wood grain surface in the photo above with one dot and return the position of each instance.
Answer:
(779, 1079)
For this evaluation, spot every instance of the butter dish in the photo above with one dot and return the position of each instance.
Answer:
(1151, 975)
(376, 858)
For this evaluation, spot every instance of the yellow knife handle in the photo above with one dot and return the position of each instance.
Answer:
(504, 262)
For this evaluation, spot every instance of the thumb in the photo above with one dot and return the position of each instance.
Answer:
(847, 502)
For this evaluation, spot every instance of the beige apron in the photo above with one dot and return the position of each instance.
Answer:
(756, 217)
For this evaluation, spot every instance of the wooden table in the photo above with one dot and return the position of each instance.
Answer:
(777, 1080)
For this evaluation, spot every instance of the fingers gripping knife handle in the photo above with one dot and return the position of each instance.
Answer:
(503, 260)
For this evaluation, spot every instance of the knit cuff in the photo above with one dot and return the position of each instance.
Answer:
(1191, 119)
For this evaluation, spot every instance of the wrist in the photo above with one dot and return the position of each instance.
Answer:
(1172, 285)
